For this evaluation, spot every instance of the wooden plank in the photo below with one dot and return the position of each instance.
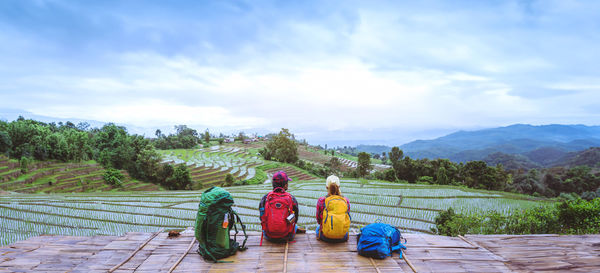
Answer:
(183, 255)
(136, 251)
(425, 253)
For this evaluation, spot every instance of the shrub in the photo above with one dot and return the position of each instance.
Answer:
(240, 183)
(570, 216)
(24, 164)
(568, 196)
(113, 177)
(425, 180)
(228, 180)
(451, 224)
(180, 179)
(538, 220)
(580, 216)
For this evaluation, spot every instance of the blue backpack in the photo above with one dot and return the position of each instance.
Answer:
(379, 240)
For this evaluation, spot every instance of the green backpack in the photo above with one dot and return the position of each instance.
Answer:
(214, 220)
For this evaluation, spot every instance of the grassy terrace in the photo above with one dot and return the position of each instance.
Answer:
(56, 177)
(209, 166)
(410, 207)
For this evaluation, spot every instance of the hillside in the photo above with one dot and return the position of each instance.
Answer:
(59, 177)
(510, 161)
(209, 166)
(546, 158)
(589, 157)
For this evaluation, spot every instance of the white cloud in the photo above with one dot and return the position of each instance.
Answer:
(313, 69)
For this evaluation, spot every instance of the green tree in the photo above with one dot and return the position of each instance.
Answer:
(407, 169)
(180, 180)
(5, 142)
(78, 145)
(395, 156)
(206, 136)
(113, 147)
(281, 147)
(364, 164)
(334, 164)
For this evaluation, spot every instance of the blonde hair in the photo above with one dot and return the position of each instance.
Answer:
(333, 185)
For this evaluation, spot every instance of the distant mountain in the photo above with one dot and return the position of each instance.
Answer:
(541, 145)
(511, 161)
(373, 149)
(546, 156)
(589, 157)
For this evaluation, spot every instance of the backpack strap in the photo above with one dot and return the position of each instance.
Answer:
(399, 244)
(239, 220)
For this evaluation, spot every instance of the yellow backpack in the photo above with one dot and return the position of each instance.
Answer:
(336, 220)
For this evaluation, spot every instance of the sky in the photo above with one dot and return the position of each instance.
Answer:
(338, 72)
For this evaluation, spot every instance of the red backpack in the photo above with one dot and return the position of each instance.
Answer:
(278, 207)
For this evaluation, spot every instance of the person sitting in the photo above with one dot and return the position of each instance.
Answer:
(333, 213)
(279, 211)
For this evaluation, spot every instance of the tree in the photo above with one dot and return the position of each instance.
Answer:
(5, 142)
(407, 169)
(364, 164)
(83, 126)
(241, 136)
(206, 136)
(113, 146)
(334, 164)
(180, 180)
(395, 155)
(282, 148)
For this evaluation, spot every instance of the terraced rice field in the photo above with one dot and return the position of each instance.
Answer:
(293, 173)
(412, 208)
(353, 164)
(57, 177)
(348, 162)
(209, 166)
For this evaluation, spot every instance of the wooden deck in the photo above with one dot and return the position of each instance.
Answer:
(427, 253)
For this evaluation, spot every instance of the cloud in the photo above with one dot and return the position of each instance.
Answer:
(322, 67)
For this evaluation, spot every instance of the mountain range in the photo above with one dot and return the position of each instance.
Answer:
(522, 145)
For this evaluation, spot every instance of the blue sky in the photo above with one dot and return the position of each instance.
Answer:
(367, 71)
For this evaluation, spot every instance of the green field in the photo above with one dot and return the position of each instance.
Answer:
(62, 177)
(209, 166)
(410, 207)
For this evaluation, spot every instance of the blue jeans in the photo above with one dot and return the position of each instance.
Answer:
(288, 238)
(325, 239)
